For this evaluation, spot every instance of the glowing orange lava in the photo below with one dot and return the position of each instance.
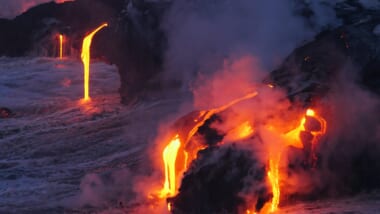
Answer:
(61, 46)
(244, 130)
(86, 60)
(316, 134)
(171, 150)
(240, 132)
(291, 138)
(205, 115)
(250, 212)
(185, 147)
(310, 112)
(208, 114)
(274, 178)
(170, 156)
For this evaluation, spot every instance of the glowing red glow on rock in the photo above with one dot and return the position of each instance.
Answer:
(242, 131)
(292, 138)
(189, 147)
(171, 150)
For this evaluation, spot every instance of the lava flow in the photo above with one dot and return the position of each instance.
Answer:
(242, 131)
(292, 138)
(171, 150)
(170, 156)
(86, 60)
(183, 146)
(61, 46)
(208, 114)
(274, 178)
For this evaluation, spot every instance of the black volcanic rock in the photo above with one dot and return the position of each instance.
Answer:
(312, 125)
(210, 135)
(217, 179)
(311, 69)
(133, 40)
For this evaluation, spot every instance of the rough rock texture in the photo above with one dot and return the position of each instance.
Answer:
(351, 157)
(309, 71)
(211, 187)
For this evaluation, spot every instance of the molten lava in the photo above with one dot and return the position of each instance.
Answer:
(171, 150)
(205, 115)
(61, 40)
(240, 132)
(292, 138)
(86, 60)
(208, 114)
(169, 206)
(274, 178)
(316, 134)
(170, 156)
(244, 130)
(189, 147)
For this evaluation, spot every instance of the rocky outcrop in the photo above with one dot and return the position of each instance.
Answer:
(133, 40)
(310, 69)
(211, 187)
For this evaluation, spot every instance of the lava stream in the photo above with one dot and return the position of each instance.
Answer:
(60, 46)
(208, 114)
(171, 150)
(274, 178)
(292, 138)
(86, 60)
(170, 156)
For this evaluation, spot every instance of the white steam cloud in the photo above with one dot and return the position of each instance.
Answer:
(202, 34)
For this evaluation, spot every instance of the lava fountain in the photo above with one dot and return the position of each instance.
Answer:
(86, 60)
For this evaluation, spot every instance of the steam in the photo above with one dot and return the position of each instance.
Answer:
(223, 50)
(240, 75)
(353, 134)
(323, 14)
(201, 34)
(105, 190)
(350, 150)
